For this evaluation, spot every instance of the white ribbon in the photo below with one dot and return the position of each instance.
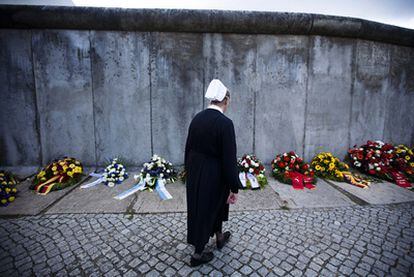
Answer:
(93, 174)
(94, 183)
(138, 187)
(253, 181)
(242, 177)
(162, 191)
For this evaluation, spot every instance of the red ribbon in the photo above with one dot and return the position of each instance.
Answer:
(400, 179)
(300, 181)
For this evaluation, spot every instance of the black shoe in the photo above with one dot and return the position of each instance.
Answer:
(205, 258)
(224, 240)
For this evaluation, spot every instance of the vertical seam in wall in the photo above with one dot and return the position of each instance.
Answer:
(353, 78)
(391, 53)
(150, 40)
(93, 98)
(37, 114)
(254, 101)
(204, 84)
(310, 45)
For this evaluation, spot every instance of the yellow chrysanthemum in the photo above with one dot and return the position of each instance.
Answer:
(70, 173)
(41, 174)
(318, 167)
(407, 158)
(72, 165)
(331, 166)
(412, 164)
(54, 168)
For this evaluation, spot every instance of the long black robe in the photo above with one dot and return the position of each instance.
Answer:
(211, 165)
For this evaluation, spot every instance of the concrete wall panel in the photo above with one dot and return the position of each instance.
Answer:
(121, 89)
(232, 59)
(64, 94)
(281, 91)
(399, 123)
(329, 96)
(371, 87)
(19, 140)
(176, 90)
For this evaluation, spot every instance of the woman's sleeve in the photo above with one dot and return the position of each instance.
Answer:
(229, 158)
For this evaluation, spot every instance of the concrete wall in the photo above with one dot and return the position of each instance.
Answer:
(99, 94)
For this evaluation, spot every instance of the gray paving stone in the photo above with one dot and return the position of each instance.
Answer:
(155, 244)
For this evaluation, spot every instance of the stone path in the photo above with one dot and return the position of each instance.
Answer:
(352, 240)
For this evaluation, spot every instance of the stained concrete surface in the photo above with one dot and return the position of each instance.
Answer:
(329, 96)
(19, 140)
(62, 69)
(120, 74)
(281, 95)
(324, 195)
(378, 193)
(97, 199)
(100, 94)
(176, 90)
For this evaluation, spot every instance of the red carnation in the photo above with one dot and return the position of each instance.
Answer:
(286, 158)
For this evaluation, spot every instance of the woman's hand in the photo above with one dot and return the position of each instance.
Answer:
(232, 198)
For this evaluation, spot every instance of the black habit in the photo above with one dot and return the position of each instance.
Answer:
(211, 165)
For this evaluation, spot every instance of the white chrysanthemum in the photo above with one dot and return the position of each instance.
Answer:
(111, 184)
(251, 170)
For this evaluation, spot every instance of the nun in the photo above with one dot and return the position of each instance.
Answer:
(212, 174)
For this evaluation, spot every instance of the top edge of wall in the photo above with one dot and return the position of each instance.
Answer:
(199, 21)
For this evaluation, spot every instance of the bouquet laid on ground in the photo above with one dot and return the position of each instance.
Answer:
(404, 161)
(289, 168)
(377, 158)
(8, 190)
(154, 176)
(330, 167)
(252, 172)
(57, 175)
(114, 174)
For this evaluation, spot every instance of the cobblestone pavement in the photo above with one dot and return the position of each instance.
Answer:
(360, 240)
